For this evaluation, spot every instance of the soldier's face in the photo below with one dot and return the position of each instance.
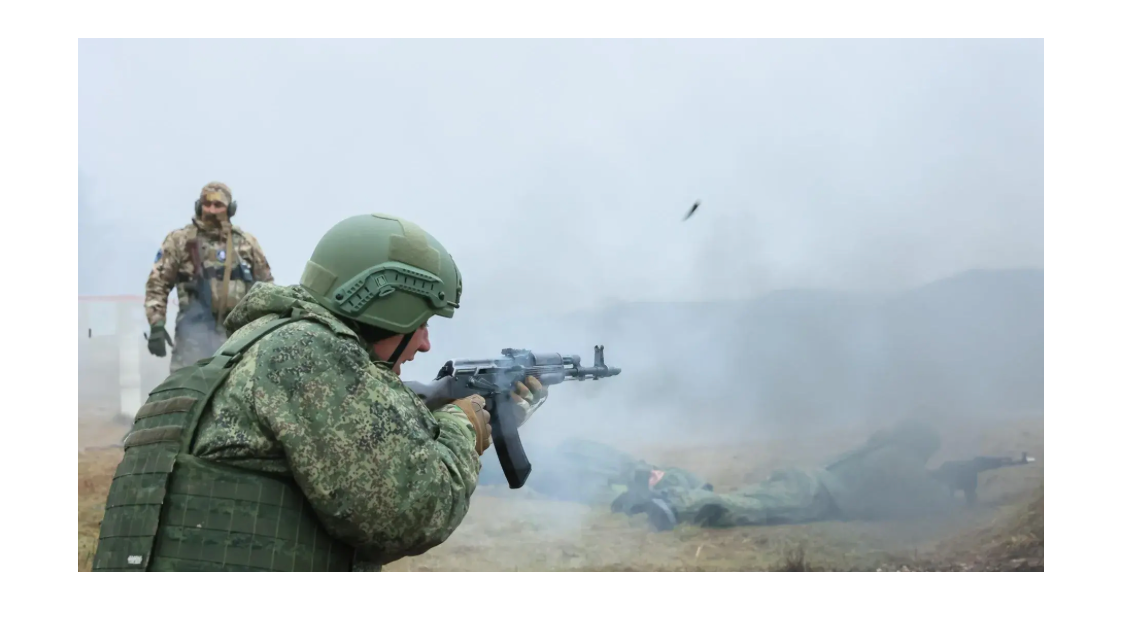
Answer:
(418, 344)
(214, 204)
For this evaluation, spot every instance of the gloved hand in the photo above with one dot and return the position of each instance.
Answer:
(157, 339)
(528, 397)
(475, 407)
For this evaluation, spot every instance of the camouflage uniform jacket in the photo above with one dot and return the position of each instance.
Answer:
(173, 267)
(383, 473)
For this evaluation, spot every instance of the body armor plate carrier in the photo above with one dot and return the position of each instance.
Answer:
(170, 511)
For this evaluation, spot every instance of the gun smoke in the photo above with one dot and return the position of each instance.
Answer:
(872, 248)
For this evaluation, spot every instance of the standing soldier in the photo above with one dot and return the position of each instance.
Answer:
(213, 264)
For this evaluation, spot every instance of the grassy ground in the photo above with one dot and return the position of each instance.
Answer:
(519, 530)
(96, 469)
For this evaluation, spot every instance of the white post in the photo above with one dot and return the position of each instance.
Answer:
(129, 362)
(84, 321)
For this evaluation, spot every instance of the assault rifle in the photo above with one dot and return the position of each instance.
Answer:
(962, 475)
(198, 329)
(494, 379)
(199, 312)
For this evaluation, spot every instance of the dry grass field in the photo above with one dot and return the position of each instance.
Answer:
(519, 530)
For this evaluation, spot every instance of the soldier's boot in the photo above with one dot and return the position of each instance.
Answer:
(637, 496)
(660, 515)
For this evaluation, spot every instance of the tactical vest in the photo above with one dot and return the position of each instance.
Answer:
(170, 511)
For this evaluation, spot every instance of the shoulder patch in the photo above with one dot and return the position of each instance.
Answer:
(157, 257)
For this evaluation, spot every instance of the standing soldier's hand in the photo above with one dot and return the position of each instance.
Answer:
(157, 339)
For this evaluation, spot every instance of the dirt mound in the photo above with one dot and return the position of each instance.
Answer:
(1014, 542)
(509, 530)
(1018, 545)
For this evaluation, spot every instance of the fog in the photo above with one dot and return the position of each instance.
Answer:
(869, 243)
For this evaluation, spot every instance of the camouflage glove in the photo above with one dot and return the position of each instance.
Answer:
(475, 407)
(528, 397)
(157, 339)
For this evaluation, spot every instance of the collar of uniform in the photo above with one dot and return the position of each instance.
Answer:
(314, 310)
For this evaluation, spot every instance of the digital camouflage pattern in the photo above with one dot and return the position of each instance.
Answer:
(173, 267)
(884, 478)
(383, 473)
(790, 496)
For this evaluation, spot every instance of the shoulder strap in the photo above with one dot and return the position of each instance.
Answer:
(235, 347)
(221, 362)
(193, 248)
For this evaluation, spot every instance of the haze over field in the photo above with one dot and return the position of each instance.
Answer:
(871, 218)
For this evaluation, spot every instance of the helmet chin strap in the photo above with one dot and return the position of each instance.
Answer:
(392, 362)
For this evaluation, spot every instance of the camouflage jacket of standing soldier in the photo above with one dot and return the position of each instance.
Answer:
(174, 267)
(383, 473)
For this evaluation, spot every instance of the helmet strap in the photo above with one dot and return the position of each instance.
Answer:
(400, 349)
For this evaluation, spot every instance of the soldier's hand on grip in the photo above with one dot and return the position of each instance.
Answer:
(157, 339)
(475, 407)
(529, 397)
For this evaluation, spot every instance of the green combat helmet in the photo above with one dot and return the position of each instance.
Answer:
(383, 271)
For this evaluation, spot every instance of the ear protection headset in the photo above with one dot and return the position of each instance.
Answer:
(231, 208)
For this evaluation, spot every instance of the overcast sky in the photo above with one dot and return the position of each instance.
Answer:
(558, 172)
